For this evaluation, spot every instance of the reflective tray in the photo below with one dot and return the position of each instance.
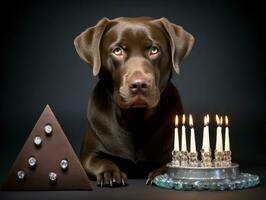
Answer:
(206, 178)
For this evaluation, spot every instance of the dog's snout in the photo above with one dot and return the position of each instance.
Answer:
(139, 85)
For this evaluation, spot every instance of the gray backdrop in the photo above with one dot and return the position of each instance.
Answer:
(224, 74)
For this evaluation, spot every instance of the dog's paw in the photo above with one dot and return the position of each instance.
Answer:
(151, 176)
(112, 179)
(155, 173)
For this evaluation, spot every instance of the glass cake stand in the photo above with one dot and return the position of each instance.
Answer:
(206, 178)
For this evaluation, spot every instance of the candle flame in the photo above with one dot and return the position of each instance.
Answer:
(217, 119)
(206, 119)
(221, 120)
(183, 119)
(226, 120)
(176, 120)
(190, 120)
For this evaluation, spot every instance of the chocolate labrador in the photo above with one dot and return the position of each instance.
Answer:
(131, 110)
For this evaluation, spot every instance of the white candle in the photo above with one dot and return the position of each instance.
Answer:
(227, 139)
(184, 140)
(176, 140)
(192, 136)
(206, 137)
(219, 139)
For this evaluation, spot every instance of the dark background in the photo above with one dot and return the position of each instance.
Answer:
(224, 74)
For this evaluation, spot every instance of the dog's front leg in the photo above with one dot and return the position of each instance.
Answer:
(106, 172)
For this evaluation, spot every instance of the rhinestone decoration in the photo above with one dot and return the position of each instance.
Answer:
(64, 164)
(21, 174)
(52, 176)
(48, 129)
(244, 180)
(37, 141)
(32, 161)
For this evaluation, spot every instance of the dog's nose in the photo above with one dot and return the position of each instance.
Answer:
(139, 85)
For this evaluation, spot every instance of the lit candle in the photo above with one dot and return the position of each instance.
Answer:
(227, 140)
(219, 139)
(184, 141)
(176, 141)
(206, 137)
(192, 136)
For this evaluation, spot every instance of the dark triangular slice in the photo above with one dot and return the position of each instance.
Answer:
(46, 170)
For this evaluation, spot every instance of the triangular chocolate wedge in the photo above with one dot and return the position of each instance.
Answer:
(47, 160)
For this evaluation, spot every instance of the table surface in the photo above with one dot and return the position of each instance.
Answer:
(138, 190)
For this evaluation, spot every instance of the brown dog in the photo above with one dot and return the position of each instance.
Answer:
(131, 110)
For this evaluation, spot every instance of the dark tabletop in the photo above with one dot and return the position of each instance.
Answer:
(138, 190)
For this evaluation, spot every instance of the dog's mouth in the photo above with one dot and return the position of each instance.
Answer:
(138, 101)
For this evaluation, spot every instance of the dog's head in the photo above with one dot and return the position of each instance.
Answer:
(136, 54)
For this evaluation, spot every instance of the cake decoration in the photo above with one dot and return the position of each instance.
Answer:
(47, 160)
(32, 161)
(187, 172)
(48, 129)
(64, 164)
(37, 141)
(21, 174)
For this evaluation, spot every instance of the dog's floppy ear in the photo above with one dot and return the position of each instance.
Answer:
(87, 44)
(181, 42)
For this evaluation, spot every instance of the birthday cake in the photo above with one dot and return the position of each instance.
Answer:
(188, 172)
(47, 161)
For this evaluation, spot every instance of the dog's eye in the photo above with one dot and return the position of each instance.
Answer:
(154, 50)
(118, 51)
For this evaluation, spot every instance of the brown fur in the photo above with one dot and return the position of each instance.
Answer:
(131, 110)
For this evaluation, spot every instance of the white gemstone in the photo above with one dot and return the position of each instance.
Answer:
(32, 161)
(52, 176)
(48, 129)
(37, 140)
(64, 164)
(21, 174)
